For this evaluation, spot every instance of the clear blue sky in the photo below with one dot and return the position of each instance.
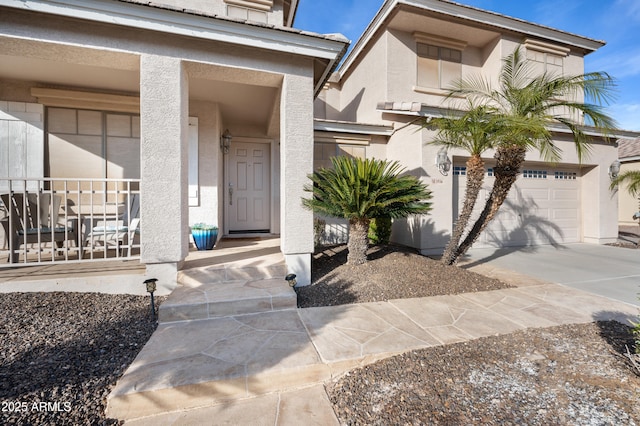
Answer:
(615, 21)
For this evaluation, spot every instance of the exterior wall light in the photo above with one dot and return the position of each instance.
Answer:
(443, 162)
(225, 141)
(151, 287)
(614, 169)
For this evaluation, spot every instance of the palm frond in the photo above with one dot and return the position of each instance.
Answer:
(630, 178)
(365, 189)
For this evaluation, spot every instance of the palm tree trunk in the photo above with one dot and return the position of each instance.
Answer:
(510, 159)
(358, 241)
(475, 177)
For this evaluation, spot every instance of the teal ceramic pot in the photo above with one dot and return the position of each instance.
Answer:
(204, 239)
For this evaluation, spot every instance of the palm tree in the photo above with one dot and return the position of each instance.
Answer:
(359, 190)
(529, 104)
(475, 131)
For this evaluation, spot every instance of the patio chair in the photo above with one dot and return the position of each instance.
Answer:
(32, 220)
(117, 234)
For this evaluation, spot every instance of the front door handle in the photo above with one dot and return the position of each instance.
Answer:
(230, 194)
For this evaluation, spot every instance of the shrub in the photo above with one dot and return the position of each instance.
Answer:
(204, 227)
(380, 230)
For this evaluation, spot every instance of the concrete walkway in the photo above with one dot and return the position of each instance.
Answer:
(269, 368)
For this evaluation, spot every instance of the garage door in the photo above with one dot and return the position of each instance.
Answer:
(543, 207)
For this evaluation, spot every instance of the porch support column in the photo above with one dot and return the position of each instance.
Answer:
(296, 162)
(164, 126)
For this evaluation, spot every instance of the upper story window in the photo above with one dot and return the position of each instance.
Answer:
(250, 10)
(439, 61)
(546, 57)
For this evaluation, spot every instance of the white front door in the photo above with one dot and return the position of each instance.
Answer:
(248, 188)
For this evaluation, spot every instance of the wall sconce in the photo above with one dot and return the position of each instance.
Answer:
(614, 169)
(443, 162)
(225, 141)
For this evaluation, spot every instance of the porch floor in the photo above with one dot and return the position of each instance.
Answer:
(126, 276)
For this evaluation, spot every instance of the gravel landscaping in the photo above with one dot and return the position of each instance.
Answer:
(392, 272)
(62, 353)
(568, 375)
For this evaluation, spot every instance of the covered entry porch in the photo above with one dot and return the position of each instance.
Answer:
(181, 93)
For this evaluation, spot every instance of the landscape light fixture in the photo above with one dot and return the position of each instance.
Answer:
(225, 141)
(443, 162)
(291, 279)
(151, 287)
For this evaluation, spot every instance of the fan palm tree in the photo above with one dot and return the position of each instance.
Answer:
(359, 190)
(529, 104)
(475, 131)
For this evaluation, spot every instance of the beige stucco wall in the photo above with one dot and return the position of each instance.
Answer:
(209, 160)
(628, 205)
(365, 87)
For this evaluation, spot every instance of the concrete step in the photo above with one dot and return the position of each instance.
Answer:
(228, 289)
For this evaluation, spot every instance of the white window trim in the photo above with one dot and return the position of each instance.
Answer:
(539, 46)
(439, 41)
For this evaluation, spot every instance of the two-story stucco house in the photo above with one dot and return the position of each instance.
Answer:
(204, 110)
(108, 98)
(400, 69)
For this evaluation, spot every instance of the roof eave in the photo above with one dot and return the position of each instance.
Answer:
(437, 112)
(208, 27)
(457, 10)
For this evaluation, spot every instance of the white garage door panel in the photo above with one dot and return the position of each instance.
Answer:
(537, 210)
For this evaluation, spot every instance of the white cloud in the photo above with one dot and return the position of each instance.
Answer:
(620, 63)
(627, 115)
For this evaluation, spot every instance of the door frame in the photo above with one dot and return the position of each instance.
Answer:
(274, 178)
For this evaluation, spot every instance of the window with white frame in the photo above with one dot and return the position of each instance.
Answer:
(534, 174)
(459, 171)
(439, 60)
(565, 175)
(93, 144)
(438, 66)
(546, 58)
(250, 10)
(323, 152)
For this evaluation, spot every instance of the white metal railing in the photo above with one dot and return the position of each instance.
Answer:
(53, 220)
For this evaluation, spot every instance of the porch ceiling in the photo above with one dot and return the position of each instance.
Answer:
(245, 97)
(50, 72)
(240, 104)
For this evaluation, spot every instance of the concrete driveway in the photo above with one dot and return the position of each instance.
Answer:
(613, 272)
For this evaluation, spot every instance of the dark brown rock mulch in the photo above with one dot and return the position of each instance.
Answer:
(566, 375)
(62, 353)
(392, 272)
